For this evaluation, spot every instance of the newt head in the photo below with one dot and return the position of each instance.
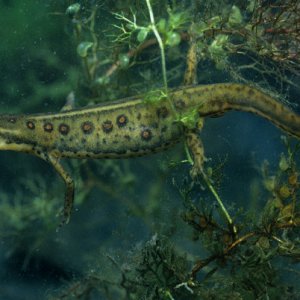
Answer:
(11, 133)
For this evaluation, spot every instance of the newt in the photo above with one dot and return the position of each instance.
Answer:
(132, 127)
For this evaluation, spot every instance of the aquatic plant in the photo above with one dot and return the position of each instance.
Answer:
(245, 251)
(249, 264)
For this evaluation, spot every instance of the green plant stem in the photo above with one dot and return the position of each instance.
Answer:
(161, 45)
(214, 192)
(95, 41)
(223, 208)
(162, 54)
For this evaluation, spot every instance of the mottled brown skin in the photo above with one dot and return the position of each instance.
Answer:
(132, 127)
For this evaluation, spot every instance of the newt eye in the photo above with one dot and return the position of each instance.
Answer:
(12, 120)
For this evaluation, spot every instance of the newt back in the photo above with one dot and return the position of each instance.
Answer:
(132, 127)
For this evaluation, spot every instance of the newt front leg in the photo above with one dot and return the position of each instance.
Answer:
(54, 159)
(69, 183)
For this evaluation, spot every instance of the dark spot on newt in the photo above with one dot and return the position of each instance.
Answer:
(179, 104)
(87, 127)
(48, 127)
(64, 129)
(122, 120)
(239, 88)
(30, 125)
(107, 126)
(96, 152)
(251, 92)
(162, 112)
(127, 137)
(146, 134)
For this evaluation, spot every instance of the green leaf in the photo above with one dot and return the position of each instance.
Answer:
(142, 35)
(161, 25)
(154, 96)
(189, 119)
(73, 9)
(83, 48)
(173, 39)
(124, 60)
(235, 17)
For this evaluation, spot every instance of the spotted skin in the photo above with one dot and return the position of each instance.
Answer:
(146, 134)
(107, 126)
(87, 127)
(48, 127)
(63, 128)
(133, 127)
(122, 120)
(30, 125)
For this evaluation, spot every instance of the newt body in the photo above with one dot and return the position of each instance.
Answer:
(131, 127)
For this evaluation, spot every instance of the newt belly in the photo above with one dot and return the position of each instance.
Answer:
(131, 127)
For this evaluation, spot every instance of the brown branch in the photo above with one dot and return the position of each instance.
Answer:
(135, 51)
(200, 264)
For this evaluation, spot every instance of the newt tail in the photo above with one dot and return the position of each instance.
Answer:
(216, 99)
(133, 127)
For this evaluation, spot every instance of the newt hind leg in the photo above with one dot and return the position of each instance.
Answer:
(195, 146)
(193, 142)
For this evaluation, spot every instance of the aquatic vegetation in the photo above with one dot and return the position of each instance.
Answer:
(249, 265)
